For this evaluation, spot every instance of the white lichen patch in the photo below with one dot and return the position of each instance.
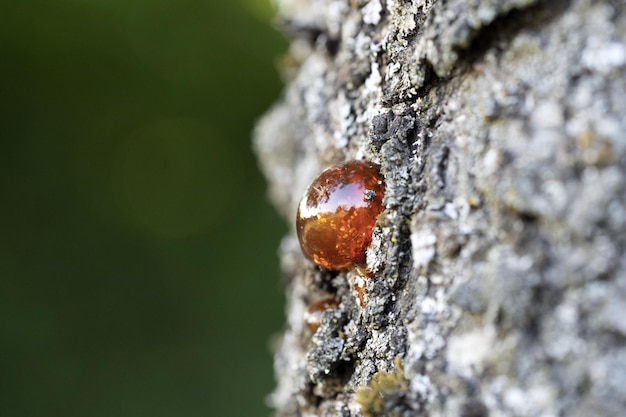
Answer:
(371, 12)
(467, 352)
(603, 57)
(341, 119)
(423, 243)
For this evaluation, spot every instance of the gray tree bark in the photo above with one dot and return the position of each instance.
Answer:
(499, 284)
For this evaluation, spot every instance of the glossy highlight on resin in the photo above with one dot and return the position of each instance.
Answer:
(338, 212)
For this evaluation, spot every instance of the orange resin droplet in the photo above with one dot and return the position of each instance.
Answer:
(337, 214)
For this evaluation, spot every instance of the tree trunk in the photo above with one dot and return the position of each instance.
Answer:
(499, 264)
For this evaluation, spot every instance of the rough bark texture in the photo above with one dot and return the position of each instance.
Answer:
(499, 284)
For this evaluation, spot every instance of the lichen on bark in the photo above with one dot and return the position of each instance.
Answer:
(499, 283)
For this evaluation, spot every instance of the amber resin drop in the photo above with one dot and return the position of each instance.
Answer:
(338, 212)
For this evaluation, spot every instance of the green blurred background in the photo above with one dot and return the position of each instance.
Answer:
(138, 268)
